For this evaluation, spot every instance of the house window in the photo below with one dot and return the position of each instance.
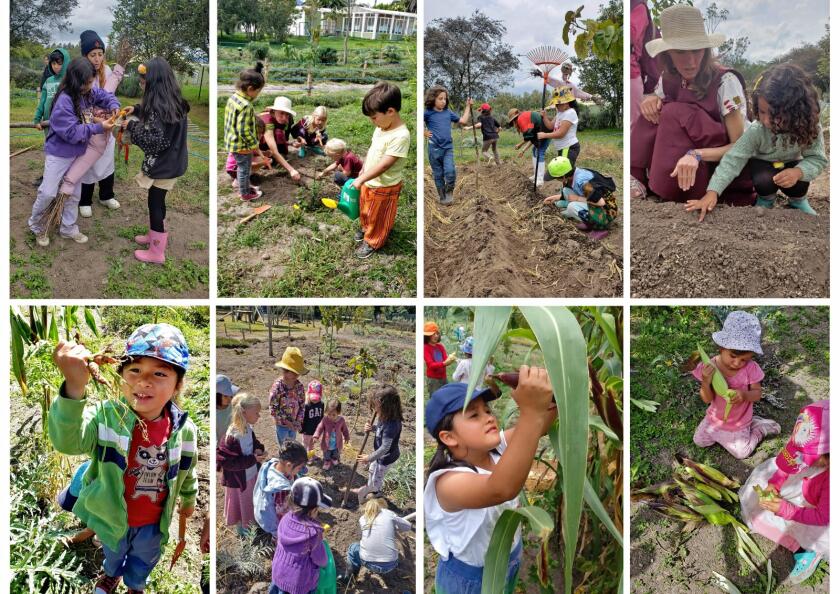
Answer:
(369, 23)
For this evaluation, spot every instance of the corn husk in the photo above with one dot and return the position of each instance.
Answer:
(719, 384)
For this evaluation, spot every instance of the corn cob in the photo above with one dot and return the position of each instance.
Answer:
(709, 472)
(719, 384)
(765, 494)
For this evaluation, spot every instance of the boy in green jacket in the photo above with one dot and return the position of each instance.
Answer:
(59, 59)
(142, 449)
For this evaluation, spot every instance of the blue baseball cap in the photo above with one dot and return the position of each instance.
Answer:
(225, 386)
(450, 399)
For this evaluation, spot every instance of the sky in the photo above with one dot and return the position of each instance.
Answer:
(89, 14)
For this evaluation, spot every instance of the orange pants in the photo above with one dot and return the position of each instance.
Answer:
(377, 212)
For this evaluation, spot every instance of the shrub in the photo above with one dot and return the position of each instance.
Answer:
(327, 55)
(259, 51)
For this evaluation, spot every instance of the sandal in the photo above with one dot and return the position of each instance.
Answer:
(638, 190)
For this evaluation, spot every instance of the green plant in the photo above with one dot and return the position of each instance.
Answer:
(327, 55)
(399, 480)
(364, 367)
(259, 51)
(332, 322)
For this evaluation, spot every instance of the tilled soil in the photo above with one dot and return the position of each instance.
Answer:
(736, 252)
(499, 240)
(253, 370)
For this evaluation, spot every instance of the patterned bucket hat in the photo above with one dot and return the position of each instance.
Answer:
(741, 332)
(160, 341)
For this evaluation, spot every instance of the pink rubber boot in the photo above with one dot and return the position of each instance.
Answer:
(144, 239)
(157, 248)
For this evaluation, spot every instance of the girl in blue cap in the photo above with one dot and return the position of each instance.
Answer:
(477, 473)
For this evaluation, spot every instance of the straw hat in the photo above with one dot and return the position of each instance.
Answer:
(292, 360)
(282, 104)
(683, 29)
(561, 96)
(513, 113)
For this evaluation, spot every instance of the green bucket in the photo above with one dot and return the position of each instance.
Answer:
(348, 200)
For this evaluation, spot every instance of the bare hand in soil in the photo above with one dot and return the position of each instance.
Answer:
(552, 199)
(788, 177)
(72, 360)
(295, 175)
(685, 172)
(650, 107)
(705, 205)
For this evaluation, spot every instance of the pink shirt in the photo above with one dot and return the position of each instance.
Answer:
(815, 490)
(741, 414)
(638, 26)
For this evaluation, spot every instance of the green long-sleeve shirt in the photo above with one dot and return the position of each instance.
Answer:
(757, 143)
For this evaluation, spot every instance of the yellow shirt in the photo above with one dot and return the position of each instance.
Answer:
(393, 143)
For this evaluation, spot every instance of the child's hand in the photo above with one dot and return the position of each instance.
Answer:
(108, 124)
(705, 205)
(738, 398)
(295, 175)
(357, 184)
(771, 505)
(72, 360)
(787, 177)
(427, 133)
(368, 427)
(363, 458)
(186, 512)
(38, 126)
(128, 110)
(533, 395)
(552, 199)
(707, 373)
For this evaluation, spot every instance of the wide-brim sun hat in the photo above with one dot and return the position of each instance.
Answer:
(561, 96)
(283, 104)
(683, 28)
(292, 360)
(159, 341)
(226, 387)
(741, 332)
(430, 329)
(513, 113)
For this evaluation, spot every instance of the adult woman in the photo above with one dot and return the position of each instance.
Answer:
(695, 115)
(103, 170)
(529, 124)
(278, 128)
(564, 134)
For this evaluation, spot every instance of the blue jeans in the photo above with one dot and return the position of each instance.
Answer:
(456, 577)
(340, 179)
(442, 162)
(355, 561)
(540, 153)
(284, 433)
(136, 556)
(243, 172)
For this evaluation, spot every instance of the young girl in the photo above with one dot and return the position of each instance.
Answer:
(311, 131)
(438, 118)
(378, 549)
(238, 457)
(740, 432)
(434, 354)
(587, 196)
(784, 149)
(240, 129)
(477, 473)
(386, 440)
(332, 431)
(300, 551)
(313, 412)
(489, 132)
(286, 399)
(462, 371)
(225, 391)
(142, 448)
(797, 517)
(346, 164)
(161, 133)
(72, 123)
(259, 159)
(274, 483)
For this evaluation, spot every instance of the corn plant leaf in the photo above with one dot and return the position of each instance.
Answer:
(598, 423)
(607, 323)
(724, 584)
(18, 367)
(90, 320)
(522, 333)
(488, 328)
(496, 560)
(53, 332)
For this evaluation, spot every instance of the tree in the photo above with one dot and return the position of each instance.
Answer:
(468, 56)
(601, 37)
(38, 20)
(176, 30)
(276, 16)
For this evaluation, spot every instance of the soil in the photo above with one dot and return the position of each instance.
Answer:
(80, 271)
(744, 252)
(532, 251)
(251, 368)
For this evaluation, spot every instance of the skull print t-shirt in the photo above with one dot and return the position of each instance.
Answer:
(145, 477)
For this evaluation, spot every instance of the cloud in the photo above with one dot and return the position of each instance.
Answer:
(89, 14)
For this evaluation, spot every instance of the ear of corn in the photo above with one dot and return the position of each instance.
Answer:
(764, 494)
(719, 384)
(724, 584)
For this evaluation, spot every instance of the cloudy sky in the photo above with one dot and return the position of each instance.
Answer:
(89, 14)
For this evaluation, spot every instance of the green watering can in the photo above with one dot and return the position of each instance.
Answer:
(327, 575)
(348, 200)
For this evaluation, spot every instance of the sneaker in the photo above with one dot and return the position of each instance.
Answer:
(251, 196)
(107, 584)
(85, 211)
(79, 237)
(805, 564)
(364, 251)
(359, 236)
(768, 427)
(42, 239)
(37, 182)
(448, 197)
(111, 203)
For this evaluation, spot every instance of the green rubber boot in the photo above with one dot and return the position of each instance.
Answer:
(802, 204)
(766, 202)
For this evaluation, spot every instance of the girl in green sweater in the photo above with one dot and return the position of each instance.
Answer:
(784, 148)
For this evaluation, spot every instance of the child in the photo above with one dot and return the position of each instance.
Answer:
(161, 133)
(225, 391)
(71, 125)
(587, 196)
(238, 457)
(345, 163)
(274, 483)
(381, 178)
(142, 448)
(438, 118)
(740, 432)
(332, 431)
(478, 472)
(240, 128)
(434, 354)
(311, 131)
(784, 149)
(797, 516)
(59, 59)
(489, 132)
(386, 440)
(530, 124)
(300, 551)
(286, 399)
(462, 371)
(378, 548)
(258, 157)
(313, 412)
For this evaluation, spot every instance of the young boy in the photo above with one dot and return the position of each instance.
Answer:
(380, 181)
(345, 162)
(587, 196)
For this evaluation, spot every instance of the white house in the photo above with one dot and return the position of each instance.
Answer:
(368, 23)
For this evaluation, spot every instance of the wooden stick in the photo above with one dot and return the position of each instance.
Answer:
(44, 124)
(23, 150)
(356, 465)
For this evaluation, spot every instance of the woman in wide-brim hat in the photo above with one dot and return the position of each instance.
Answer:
(698, 110)
(279, 119)
(564, 134)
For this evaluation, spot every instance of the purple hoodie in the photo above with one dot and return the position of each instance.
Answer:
(68, 137)
(300, 554)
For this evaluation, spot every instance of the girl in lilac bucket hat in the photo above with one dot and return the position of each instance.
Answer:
(732, 424)
(796, 515)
